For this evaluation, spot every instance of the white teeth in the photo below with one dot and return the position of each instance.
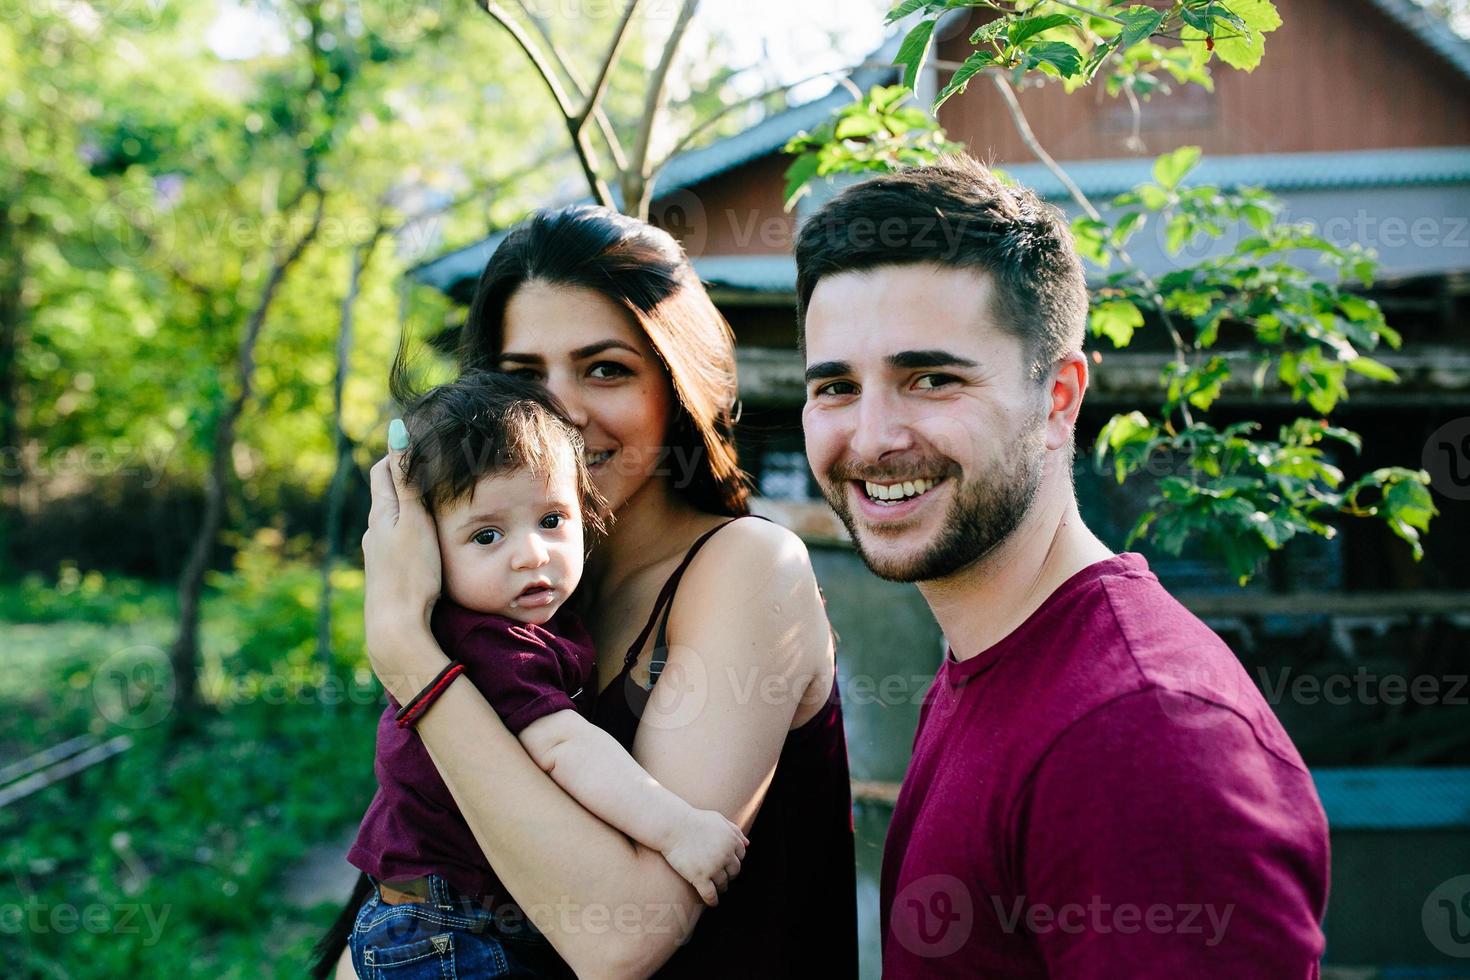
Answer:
(598, 457)
(898, 491)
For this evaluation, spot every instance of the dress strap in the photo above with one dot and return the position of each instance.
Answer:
(665, 605)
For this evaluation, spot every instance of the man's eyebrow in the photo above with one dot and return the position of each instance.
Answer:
(827, 369)
(911, 359)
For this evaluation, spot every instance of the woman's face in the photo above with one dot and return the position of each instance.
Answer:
(595, 359)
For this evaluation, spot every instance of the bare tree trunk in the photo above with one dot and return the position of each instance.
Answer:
(184, 655)
(342, 450)
(12, 324)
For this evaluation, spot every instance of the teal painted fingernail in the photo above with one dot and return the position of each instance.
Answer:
(397, 436)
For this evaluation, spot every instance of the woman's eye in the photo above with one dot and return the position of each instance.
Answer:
(487, 536)
(530, 374)
(935, 381)
(553, 521)
(605, 370)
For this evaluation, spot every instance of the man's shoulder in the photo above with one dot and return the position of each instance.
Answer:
(1135, 638)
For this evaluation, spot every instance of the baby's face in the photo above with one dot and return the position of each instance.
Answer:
(515, 547)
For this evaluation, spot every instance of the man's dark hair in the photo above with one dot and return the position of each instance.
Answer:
(485, 423)
(959, 215)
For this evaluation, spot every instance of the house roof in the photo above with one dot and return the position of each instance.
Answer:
(1430, 28)
(1282, 171)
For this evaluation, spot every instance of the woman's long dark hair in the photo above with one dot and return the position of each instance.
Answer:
(328, 949)
(645, 271)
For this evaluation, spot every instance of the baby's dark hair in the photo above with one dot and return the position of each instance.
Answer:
(486, 423)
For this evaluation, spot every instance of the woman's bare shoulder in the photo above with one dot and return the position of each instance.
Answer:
(752, 545)
(752, 566)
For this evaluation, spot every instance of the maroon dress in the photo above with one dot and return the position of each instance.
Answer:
(792, 910)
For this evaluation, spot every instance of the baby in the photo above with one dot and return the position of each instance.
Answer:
(503, 472)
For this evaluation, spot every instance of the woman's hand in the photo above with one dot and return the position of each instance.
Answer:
(401, 562)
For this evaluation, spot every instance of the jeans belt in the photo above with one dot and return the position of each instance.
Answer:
(404, 892)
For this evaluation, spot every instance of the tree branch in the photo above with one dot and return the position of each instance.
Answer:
(609, 136)
(636, 182)
(1023, 128)
(599, 85)
(1084, 10)
(586, 156)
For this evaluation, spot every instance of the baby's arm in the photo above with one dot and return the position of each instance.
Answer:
(589, 764)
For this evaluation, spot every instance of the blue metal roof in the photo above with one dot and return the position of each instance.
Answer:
(1395, 799)
(1430, 28)
(1274, 171)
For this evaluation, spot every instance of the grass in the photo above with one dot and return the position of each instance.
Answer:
(167, 859)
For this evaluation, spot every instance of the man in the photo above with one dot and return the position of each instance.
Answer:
(1096, 789)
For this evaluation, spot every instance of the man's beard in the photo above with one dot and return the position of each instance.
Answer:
(985, 512)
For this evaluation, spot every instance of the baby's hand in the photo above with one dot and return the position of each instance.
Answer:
(707, 852)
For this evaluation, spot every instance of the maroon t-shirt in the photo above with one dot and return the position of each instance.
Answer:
(412, 827)
(1101, 794)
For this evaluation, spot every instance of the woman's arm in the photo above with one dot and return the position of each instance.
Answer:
(747, 629)
(702, 845)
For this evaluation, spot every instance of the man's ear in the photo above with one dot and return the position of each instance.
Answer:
(1066, 385)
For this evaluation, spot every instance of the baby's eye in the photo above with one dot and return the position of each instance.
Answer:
(553, 521)
(487, 536)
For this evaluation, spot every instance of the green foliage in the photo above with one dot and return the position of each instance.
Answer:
(1245, 496)
(199, 832)
(83, 597)
(880, 132)
(1062, 42)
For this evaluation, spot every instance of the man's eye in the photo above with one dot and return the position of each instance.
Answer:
(837, 388)
(487, 536)
(553, 521)
(935, 381)
(606, 370)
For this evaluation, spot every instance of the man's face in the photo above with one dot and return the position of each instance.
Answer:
(923, 428)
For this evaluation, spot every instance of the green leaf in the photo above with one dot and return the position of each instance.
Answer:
(1090, 237)
(1066, 59)
(913, 50)
(1126, 227)
(1171, 168)
(1376, 370)
(1245, 52)
(799, 176)
(973, 65)
(856, 127)
(1116, 319)
(1139, 22)
(1029, 27)
(904, 9)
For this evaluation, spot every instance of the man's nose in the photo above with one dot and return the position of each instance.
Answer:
(531, 553)
(882, 427)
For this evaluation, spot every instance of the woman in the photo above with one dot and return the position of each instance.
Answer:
(715, 658)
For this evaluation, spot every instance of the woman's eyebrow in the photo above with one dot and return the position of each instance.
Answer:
(593, 349)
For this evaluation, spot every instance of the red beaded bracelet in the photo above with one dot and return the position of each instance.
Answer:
(411, 712)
